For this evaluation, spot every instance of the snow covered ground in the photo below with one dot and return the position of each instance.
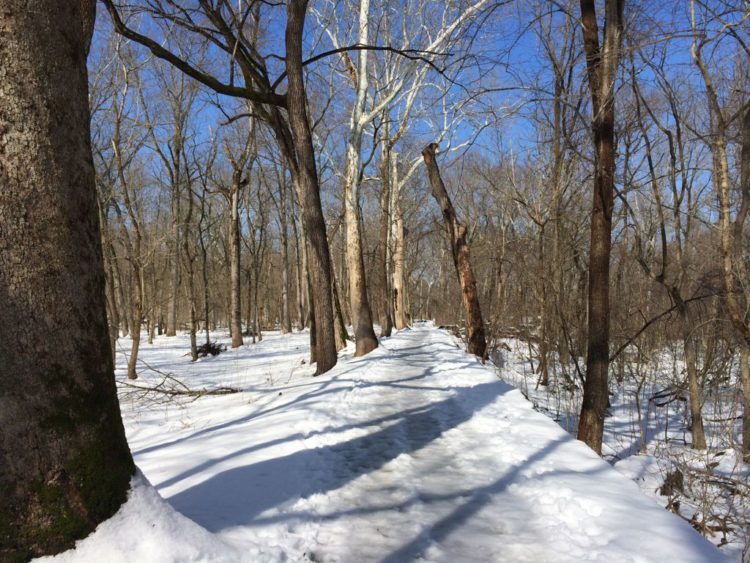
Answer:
(713, 488)
(414, 452)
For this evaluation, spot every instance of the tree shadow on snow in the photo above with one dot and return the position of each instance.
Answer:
(237, 496)
(338, 382)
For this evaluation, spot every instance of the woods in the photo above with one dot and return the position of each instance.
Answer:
(229, 170)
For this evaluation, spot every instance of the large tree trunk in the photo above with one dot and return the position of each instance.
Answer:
(309, 190)
(461, 256)
(364, 335)
(745, 353)
(65, 462)
(602, 68)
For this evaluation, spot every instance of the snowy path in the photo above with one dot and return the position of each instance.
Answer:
(414, 452)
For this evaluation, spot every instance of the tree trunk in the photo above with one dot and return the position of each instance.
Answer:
(309, 190)
(204, 267)
(174, 271)
(152, 308)
(120, 293)
(461, 256)
(114, 318)
(691, 365)
(135, 329)
(301, 269)
(400, 316)
(745, 375)
(398, 234)
(543, 316)
(383, 262)
(341, 334)
(110, 290)
(286, 314)
(602, 68)
(234, 259)
(364, 335)
(65, 462)
(190, 257)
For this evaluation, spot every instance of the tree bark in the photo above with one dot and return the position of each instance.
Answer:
(383, 258)
(301, 270)
(461, 256)
(234, 255)
(691, 365)
(190, 256)
(309, 190)
(364, 335)
(398, 234)
(204, 266)
(745, 375)
(65, 462)
(174, 261)
(286, 314)
(745, 365)
(602, 68)
(400, 313)
(113, 316)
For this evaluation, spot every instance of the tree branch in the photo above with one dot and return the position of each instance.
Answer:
(160, 52)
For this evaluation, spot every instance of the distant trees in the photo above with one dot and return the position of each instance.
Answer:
(337, 178)
(292, 131)
(65, 463)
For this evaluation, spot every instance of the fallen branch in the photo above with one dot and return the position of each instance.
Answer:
(183, 389)
(171, 386)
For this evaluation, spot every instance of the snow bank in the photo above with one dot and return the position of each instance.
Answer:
(147, 529)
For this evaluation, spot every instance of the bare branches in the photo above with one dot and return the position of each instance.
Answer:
(262, 97)
(425, 56)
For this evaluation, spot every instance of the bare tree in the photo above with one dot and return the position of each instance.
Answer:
(457, 231)
(234, 32)
(602, 63)
(179, 94)
(731, 226)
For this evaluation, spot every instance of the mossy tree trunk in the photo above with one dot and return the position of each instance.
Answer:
(65, 462)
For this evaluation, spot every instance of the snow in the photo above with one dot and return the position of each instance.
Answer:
(148, 530)
(413, 452)
(715, 482)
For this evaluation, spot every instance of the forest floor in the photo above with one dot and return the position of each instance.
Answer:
(415, 452)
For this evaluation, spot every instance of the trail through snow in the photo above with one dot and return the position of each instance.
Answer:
(415, 452)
